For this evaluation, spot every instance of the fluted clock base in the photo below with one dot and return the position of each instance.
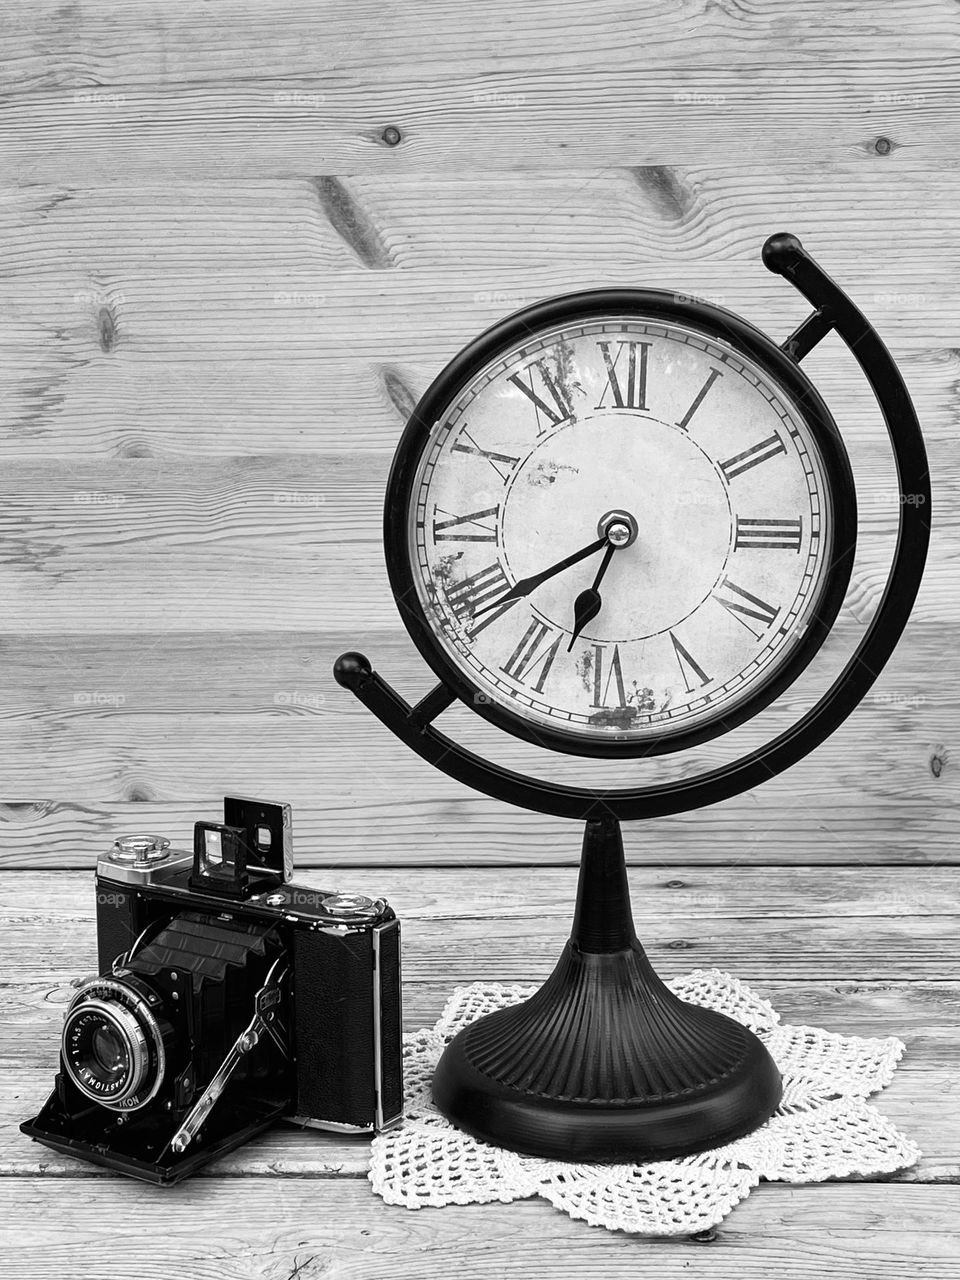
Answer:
(604, 1062)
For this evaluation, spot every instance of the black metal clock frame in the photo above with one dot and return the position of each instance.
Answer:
(604, 1062)
(649, 304)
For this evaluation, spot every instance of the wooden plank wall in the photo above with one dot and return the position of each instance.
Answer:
(238, 241)
(224, 290)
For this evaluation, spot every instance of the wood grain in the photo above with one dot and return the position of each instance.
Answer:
(311, 1228)
(110, 733)
(225, 284)
(119, 91)
(462, 924)
(839, 950)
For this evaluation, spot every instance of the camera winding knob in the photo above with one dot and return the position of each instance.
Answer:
(140, 850)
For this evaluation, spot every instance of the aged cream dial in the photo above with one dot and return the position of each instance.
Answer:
(620, 530)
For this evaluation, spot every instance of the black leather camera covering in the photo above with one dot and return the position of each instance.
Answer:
(334, 1012)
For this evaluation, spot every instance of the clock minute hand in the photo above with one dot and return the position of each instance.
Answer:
(526, 585)
(589, 603)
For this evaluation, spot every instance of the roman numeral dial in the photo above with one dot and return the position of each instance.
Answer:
(677, 438)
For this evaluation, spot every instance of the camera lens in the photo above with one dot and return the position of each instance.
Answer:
(109, 1050)
(112, 1047)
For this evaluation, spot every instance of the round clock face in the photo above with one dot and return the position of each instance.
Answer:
(620, 532)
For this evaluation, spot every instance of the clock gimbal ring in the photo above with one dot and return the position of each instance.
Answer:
(784, 255)
(604, 1062)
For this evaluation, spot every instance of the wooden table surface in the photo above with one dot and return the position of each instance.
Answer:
(239, 240)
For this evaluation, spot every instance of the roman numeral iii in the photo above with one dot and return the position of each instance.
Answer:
(626, 378)
(532, 656)
(785, 535)
(551, 400)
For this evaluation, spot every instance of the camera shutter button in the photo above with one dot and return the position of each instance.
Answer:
(350, 906)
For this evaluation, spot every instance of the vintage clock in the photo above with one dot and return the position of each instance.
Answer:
(619, 524)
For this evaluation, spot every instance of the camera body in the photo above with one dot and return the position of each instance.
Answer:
(227, 998)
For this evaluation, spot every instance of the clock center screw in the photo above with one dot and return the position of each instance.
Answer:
(619, 528)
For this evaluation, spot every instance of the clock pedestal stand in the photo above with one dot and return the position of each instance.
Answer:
(605, 1062)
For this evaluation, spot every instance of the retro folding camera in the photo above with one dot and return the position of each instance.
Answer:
(227, 998)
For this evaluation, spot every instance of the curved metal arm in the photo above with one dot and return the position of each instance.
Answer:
(783, 254)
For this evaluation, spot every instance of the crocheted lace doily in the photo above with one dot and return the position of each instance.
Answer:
(823, 1128)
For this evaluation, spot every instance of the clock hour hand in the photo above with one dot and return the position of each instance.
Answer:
(589, 603)
(526, 585)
